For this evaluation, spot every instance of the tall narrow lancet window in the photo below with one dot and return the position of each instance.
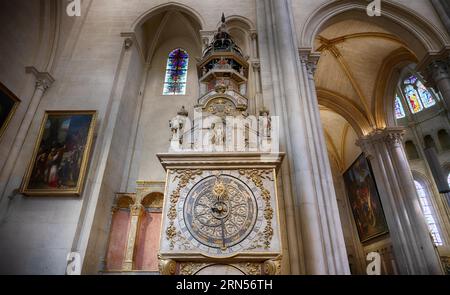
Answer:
(176, 73)
(428, 213)
(399, 110)
(417, 95)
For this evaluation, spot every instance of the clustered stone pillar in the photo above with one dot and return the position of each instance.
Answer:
(438, 75)
(43, 81)
(412, 242)
(321, 247)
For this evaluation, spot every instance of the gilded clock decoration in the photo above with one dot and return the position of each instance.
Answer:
(220, 211)
(184, 176)
(257, 177)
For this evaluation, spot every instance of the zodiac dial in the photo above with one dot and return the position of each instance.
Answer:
(220, 211)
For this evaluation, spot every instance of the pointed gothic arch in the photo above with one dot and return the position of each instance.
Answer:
(144, 17)
(406, 22)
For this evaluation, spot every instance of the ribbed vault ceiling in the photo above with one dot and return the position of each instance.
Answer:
(353, 53)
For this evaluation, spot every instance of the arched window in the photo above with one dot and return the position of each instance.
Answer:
(416, 94)
(444, 139)
(176, 73)
(411, 150)
(399, 110)
(428, 213)
(429, 142)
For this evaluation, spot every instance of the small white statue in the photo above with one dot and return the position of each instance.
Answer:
(176, 126)
(266, 124)
(219, 135)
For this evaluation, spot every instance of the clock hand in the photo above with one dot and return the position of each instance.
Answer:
(224, 247)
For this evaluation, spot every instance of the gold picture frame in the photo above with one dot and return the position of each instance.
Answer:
(8, 106)
(364, 200)
(61, 154)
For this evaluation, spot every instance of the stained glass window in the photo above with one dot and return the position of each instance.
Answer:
(425, 95)
(413, 99)
(417, 95)
(399, 111)
(176, 73)
(411, 80)
(427, 212)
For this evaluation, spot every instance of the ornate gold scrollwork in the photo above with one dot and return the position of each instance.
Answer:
(167, 267)
(191, 268)
(272, 267)
(249, 268)
(257, 176)
(184, 177)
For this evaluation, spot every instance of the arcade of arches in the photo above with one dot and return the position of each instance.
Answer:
(362, 105)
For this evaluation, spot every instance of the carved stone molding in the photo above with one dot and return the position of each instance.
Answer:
(439, 69)
(43, 79)
(167, 267)
(191, 268)
(309, 60)
(256, 64)
(435, 67)
(128, 43)
(257, 176)
(184, 176)
(249, 268)
(392, 137)
(272, 267)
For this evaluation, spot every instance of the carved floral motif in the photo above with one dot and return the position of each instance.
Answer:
(184, 176)
(257, 176)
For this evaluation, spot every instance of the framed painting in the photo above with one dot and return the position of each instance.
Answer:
(364, 200)
(8, 106)
(59, 162)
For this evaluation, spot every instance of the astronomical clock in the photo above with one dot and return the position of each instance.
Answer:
(220, 212)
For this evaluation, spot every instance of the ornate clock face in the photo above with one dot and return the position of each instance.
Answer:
(220, 211)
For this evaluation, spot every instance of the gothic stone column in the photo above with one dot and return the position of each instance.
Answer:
(436, 71)
(317, 223)
(413, 246)
(43, 81)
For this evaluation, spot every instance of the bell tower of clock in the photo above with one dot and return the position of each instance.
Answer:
(220, 212)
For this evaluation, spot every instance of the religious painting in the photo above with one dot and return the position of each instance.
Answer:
(60, 157)
(364, 200)
(8, 105)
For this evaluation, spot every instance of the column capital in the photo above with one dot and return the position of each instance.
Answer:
(129, 39)
(391, 136)
(253, 35)
(136, 209)
(206, 37)
(256, 64)
(309, 59)
(435, 67)
(437, 70)
(43, 79)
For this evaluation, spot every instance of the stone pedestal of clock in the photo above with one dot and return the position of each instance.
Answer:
(220, 214)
